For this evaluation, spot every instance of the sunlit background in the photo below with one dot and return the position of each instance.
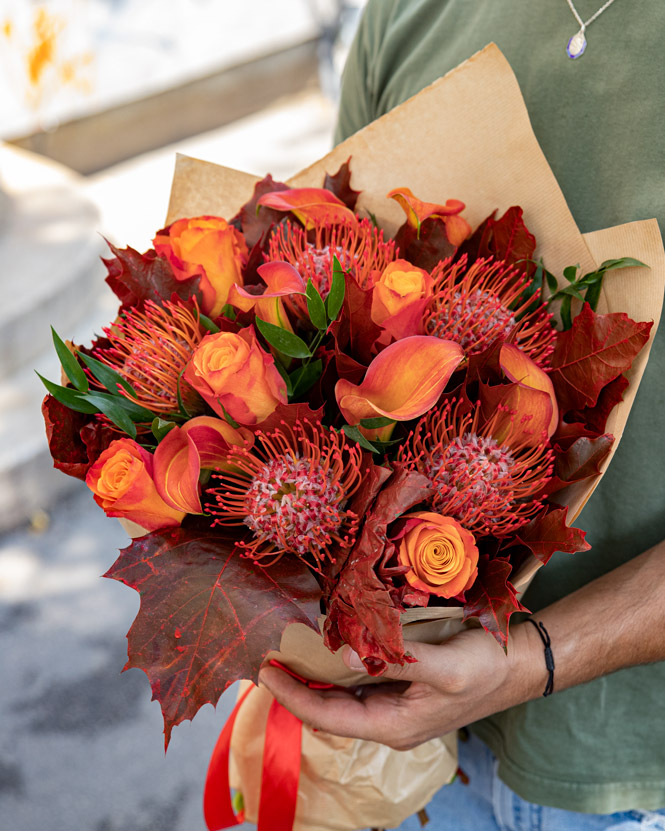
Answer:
(96, 97)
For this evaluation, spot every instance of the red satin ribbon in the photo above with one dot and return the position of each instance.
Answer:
(281, 768)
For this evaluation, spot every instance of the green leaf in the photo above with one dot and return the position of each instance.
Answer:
(316, 306)
(73, 369)
(375, 423)
(69, 397)
(566, 318)
(230, 420)
(285, 376)
(284, 341)
(213, 328)
(106, 375)
(622, 262)
(355, 435)
(305, 377)
(571, 291)
(335, 296)
(160, 427)
(552, 283)
(113, 410)
(570, 272)
(181, 404)
(229, 311)
(593, 294)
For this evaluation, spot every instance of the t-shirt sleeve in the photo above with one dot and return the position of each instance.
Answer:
(357, 106)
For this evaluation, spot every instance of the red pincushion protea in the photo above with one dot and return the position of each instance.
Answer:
(473, 306)
(488, 486)
(359, 247)
(150, 349)
(291, 489)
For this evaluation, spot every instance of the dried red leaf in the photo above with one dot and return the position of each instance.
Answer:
(592, 353)
(208, 617)
(340, 185)
(595, 418)
(429, 247)
(135, 278)
(492, 599)
(506, 239)
(355, 333)
(252, 224)
(548, 533)
(361, 610)
(581, 460)
(288, 414)
(63, 433)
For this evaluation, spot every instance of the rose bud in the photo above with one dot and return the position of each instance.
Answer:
(441, 555)
(121, 481)
(207, 246)
(399, 299)
(236, 377)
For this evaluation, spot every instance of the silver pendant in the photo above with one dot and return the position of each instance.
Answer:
(576, 45)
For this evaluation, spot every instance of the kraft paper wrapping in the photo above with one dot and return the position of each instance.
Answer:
(344, 783)
(467, 136)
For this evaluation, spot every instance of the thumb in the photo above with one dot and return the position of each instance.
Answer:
(424, 664)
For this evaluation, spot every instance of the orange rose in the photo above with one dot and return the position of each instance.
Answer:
(122, 484)
(441, 555)
(399, 298)
(209, 246)
(233, 374)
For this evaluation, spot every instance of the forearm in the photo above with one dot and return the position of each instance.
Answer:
(617, 620)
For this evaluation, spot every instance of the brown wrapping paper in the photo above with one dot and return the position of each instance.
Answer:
(468, 137)
(344, 783)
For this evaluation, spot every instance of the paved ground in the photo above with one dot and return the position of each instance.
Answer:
(81, 745)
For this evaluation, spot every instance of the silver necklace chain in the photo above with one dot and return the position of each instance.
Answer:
(577, 43)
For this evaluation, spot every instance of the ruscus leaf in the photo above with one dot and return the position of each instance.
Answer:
(213, 328)
(106, 375)
(284, 341)
(315, 306)
(71, 366)
(355, 435)
(113, 410)
(375, 423)
(305, 377)
(73, 399)
(335, 297)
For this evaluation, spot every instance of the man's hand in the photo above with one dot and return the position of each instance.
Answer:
(596, 630)
(448, 686)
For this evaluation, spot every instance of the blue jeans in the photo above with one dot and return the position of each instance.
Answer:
(486, 804)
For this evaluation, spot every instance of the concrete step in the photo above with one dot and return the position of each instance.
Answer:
(50, 250)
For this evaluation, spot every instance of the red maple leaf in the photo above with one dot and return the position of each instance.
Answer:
(340, 185)
(592, 353)
(548, 533)
(492, 599)
(208, 617)
(135, 278)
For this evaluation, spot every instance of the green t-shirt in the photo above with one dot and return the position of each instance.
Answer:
(600, 120)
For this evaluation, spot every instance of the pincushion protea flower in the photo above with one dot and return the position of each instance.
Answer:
(474, 306)
(359, 247)
(488, 486)
(291, 489)
(150, 349)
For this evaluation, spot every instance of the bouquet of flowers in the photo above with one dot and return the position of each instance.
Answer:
(319, 422)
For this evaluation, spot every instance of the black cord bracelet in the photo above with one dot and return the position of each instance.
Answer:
(549, 658)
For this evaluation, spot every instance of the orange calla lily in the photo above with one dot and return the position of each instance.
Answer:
(201, 444)
(402, 382)
(417, 211)
(312, 206)
(282, 280)
(527, 396)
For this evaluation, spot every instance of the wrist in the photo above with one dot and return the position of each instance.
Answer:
(528, 668)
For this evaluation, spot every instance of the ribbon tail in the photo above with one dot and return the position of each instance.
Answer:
(281, 770)
(217, 807)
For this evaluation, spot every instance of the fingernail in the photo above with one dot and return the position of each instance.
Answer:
(353, 660)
